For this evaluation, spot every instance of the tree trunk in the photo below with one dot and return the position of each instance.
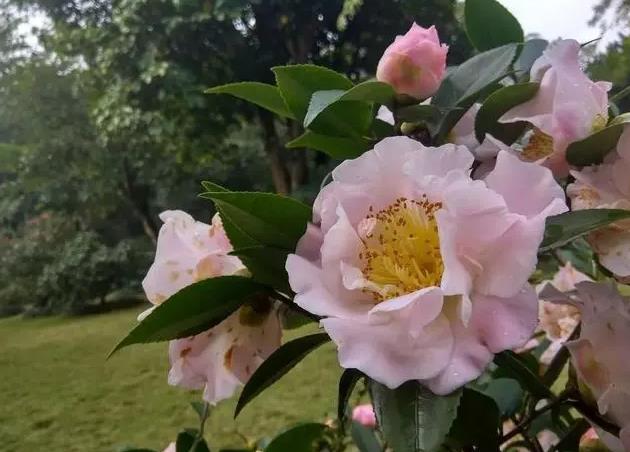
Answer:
(137, 198)
(279, 171)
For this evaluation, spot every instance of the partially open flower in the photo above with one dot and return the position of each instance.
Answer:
(415, 63)
(568, 106)
(607, 186)
(419, 271)
(224, 357)
(559, 320)
(598, 354)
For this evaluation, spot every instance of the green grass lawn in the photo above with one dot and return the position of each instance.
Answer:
(57, 392)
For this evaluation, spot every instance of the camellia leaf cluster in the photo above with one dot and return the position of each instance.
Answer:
(468, 256)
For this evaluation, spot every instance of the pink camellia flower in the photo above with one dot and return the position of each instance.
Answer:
(598, 355)
(414, 64)
(419, 271)
(607, 186)
(224, 357)
(568, 106)
(559, 320)
(364, 415)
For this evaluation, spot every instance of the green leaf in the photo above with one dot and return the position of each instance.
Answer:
(411, 417)
(477, 422)
(365, 438)
(336, 147)
(277, 365)
(564, 228)
(419, 113)
(592, 149)
(531, 51)
(514, 367)
(193, 310)
(211, 186)
(343, 119)
(371, 91)
(267, 265)
(238, 238)
(267, 218)
(465, 84)
(187, 442)
(507, 394)
(489, 24)
(496, 105)
(299, 438)
(261, 94)
(297, 83)
(347, 382)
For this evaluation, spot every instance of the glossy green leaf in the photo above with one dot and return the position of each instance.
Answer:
(371, 91)
(411, 417)
(506, 393)
(477, 423)
(192, 310)
(365, 438)
(267, 218)
(496, 105)
(187, 441)
(261, 94)
(513, 366)
(489, 24)
(343, 119)
(211, 186)
(238, 238)
(465, 84)
(419, 113)
(299, 438)
(297, 83)
(267, 265)
(336, 147)
(592, 149)
(564, 228)
(347, 382)
(277, 365)
(531, 51)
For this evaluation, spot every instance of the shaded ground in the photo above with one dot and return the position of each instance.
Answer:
(57, 392)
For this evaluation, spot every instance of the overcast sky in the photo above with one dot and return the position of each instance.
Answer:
(558, 19)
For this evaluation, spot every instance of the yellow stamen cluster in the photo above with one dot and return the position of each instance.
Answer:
(401, 248)
(540, 145)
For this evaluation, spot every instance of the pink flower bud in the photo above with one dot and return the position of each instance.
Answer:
(364, 415)
(415, 63)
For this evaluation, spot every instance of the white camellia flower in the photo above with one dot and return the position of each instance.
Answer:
(224, 357)
(408, 262)
(599, 355)
(607, 186)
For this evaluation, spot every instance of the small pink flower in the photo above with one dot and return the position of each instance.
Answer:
(599, 354)
(364, 415)
(559, 320)
(607, 186)
(568, 106)
(419, 271)
(224, 357)
(415, 63)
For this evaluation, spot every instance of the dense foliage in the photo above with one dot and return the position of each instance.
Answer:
(104, 123)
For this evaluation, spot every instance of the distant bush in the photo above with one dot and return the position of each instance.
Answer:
(53, 268)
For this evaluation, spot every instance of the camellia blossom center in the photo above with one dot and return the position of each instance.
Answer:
(401, 248)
